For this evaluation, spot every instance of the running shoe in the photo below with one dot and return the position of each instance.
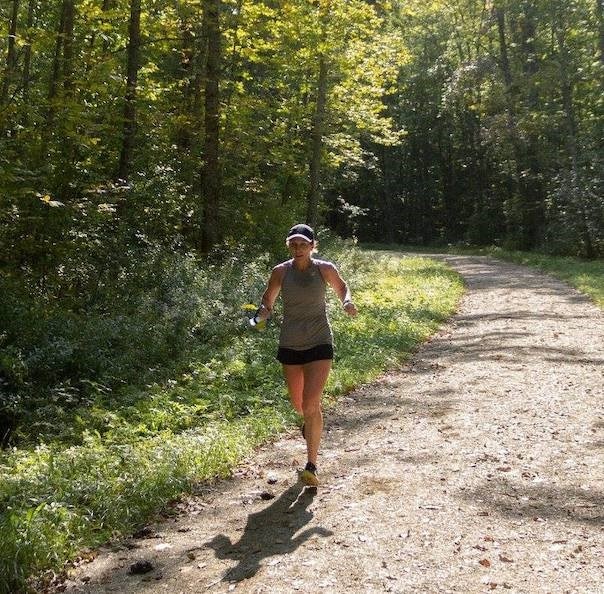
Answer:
(309, 476)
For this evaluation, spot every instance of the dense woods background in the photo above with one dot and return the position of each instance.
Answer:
(146, 144)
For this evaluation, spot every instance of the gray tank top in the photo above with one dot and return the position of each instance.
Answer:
(305, 324)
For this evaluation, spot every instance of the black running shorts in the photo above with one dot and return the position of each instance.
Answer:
(294, 357)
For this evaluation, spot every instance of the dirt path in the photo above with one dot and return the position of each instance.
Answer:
(479, 467)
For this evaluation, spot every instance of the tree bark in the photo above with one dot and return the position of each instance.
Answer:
(600, 18)
(27, 62)
(528, 30)
(211, 178)
(132, 67)
(318, 125)
(11, 55)
(505, 63)
(68, 47)
(56, 63)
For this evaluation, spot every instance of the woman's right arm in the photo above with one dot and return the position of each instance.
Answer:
(271, 292)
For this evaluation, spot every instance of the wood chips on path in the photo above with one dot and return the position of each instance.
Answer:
(476, 468)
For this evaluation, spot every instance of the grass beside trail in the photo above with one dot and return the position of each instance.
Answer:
(132, 452)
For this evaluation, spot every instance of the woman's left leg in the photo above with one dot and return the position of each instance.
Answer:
(315, 377)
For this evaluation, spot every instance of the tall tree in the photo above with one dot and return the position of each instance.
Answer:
(10, 70)
(600, 21)
(316, 148)
(27, 52)
(211, 175)
(132, 68)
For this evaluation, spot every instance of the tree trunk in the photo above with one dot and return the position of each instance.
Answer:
(68, 48)
(132, 67)
(27, 63)
(211, 178)
(56, 63)
(189, 72)
(11, 56)
(318, 124)
(528, 30)
(505, 64)
(600, 18)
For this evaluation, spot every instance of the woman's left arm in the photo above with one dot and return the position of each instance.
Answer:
(331, 275)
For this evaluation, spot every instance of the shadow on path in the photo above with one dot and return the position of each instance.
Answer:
(549, 502)
(272, 531)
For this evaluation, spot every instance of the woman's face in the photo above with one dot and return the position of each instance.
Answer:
(299, 249)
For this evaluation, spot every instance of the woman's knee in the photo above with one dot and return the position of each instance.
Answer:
(311, 407)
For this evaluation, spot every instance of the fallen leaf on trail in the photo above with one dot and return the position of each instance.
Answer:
(485, 563)
(505, 559)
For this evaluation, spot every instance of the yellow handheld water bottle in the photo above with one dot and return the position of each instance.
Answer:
(256, 322)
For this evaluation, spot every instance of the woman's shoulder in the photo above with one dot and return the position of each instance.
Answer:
(281, 268)
(324, 265)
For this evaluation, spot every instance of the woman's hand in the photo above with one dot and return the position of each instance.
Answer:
(262, 313)
(350, 308)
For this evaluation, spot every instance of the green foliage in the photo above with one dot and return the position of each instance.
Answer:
(501, 104)
(114, 461)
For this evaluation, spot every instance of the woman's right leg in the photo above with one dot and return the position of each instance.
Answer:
(294, 377)
(315, 377)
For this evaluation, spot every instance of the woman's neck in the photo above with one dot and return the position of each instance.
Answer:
(301, 264)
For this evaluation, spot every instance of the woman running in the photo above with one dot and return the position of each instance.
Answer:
(306, 340)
